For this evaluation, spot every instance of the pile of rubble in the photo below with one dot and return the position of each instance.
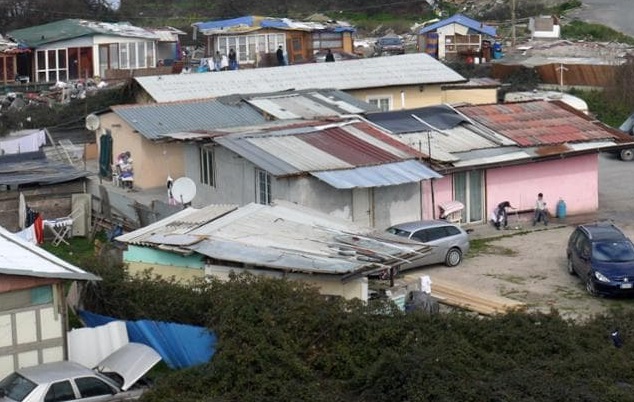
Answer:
(60, 93)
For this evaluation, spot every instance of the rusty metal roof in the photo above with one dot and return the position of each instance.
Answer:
(349, 145)
(539, 123)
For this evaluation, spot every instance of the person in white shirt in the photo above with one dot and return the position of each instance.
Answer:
(541, 213)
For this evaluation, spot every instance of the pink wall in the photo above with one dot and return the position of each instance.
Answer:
(575, 180)
(443, 192)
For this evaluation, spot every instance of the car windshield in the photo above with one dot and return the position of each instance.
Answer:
(16, 387)
(389, 41)
(621, 251)
(399, 232)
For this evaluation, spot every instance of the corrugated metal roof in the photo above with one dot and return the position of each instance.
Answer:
(538, 123)
(462, 20)
(309, 149)
(155, 120)
(34, 168)
(19, 257)
(373, 72)
(297, 239)
(390, 174)
(309, 105)
(179, 223)
(74, 28)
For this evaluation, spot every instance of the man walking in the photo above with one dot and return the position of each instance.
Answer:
(541, 213)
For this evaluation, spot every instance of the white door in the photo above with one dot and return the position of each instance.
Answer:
(362, 206)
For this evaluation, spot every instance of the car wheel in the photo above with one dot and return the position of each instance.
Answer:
(590, 287)
(571, 268)
(627, 154)
(454, 257)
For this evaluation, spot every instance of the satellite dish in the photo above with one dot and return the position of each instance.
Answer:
(92, 122)
(184, 190)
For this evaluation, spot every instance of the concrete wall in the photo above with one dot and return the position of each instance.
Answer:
(152, 162)
(164, 263)
(575, 180)
(327, 284)
(235, 184)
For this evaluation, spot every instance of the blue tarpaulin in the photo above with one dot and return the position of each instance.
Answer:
(179, 345)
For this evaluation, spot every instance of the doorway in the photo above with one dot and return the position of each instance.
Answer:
(468, 188)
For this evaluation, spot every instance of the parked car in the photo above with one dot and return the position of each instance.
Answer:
(118, 377)
(449, 241)
(389, 45)
(603, 257)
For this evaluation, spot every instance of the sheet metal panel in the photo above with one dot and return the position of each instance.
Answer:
(19, 257)
(537, 123)
(179, 223)
(374, 72)
(155, 120)
(342, 144)
(376, 176)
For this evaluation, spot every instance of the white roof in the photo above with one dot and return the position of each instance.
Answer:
(19, 257)
(374, 72)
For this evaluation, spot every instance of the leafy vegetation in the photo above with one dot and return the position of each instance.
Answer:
(281, 340)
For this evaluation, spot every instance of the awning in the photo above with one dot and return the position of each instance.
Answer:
(392, 174)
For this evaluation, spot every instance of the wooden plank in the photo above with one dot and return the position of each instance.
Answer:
(453, 294)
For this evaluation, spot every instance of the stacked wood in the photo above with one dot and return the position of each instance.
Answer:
(456, 295)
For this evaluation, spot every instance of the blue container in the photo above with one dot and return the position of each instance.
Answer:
(561, 209)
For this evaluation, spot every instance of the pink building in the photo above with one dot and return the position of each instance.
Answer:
(506, 152)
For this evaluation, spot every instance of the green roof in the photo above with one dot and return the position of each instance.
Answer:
(75, 28)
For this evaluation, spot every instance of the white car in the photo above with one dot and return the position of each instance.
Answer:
(116, 378)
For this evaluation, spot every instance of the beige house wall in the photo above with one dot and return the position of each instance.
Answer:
(330, 285)
(152, 162)
(182, 274)
(402, 97)
(476, 96)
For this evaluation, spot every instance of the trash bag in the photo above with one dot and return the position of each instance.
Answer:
(421, 301)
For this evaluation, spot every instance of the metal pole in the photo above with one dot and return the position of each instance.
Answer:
(513, 33)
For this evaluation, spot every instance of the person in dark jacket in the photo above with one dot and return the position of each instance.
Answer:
(280, 56)
(233, 60)
(501, 214)
(329, 56)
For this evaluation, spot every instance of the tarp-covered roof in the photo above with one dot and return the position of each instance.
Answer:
(75, 28)
(251, 23)
(19, 257)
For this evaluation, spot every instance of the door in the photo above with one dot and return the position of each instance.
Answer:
(295, 48)
(469, 189)
(581, 255)
(362, 206)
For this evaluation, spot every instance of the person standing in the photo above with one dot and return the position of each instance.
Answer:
(233, 60)
(329, 56)
(280, 56)
(541, 213)
(217, 60)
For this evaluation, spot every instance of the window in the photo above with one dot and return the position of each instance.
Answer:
(91, 386)
(248, 47)
(51, 65)
(382, 102)
(262, 187)
(327, 40)
(60, 391)
(207, 167)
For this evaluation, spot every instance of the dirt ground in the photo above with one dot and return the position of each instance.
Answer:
(530, 268)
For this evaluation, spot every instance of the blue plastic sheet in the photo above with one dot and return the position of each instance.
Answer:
(179, 345)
